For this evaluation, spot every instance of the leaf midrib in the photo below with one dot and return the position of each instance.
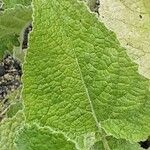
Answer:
(104, 141)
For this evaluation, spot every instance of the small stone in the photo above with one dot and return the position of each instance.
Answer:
(6, 76)
(2, 71)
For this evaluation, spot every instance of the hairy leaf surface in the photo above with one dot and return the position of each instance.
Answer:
(8, 130)
(13, 3)
(116, 144)
(36, 138)
(77, 77)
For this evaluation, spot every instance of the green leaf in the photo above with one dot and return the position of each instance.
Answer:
(19, 53)
(36, 138)
(15, 102)
(8, 130)
(116, 144)
(7, 42)
(130, 20)
(14, 108)
(78, 79)
(12, 22)
(13, 3)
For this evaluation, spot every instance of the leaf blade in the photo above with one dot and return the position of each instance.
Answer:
(13, 3)
(33, 137)
(8, 129)
(116, 144)
(74, 44)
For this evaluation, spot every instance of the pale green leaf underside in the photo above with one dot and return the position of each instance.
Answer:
(12, 22)
(77, 76)
(8, 130)
(13, 3)
(130, 20)
(15, 103)
(7, 109)
(35, 138)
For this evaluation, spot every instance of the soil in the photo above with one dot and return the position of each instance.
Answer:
(10, 80)
(145, 144)
(10, 75)
(25, 36)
